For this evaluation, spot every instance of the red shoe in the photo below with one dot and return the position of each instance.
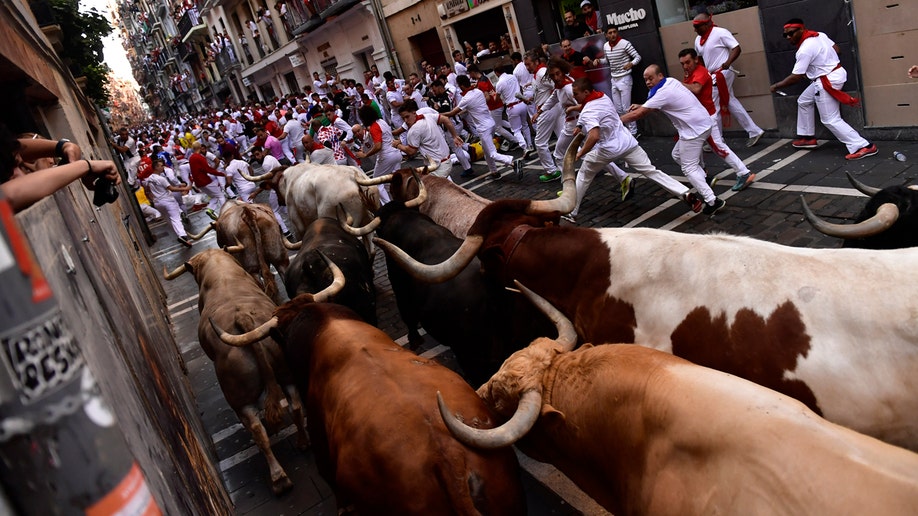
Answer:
(805, 143)
(869, 150)
(694, 201)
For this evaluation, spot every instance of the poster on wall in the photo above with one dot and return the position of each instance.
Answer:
(590, 47)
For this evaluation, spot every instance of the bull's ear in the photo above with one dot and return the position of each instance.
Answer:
(551, 416)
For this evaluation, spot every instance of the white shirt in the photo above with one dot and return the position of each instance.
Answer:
(716, 49)
(158, 188)
(460, 68)
(243, 186)
(319, 86)
(523, 77)
(817, 57)
(682, 108)
(613, 136)
(508, 88)
(618, 56)
(270, 163)
(426, 136)
(294, 130)
(473, 103)
(396, 96)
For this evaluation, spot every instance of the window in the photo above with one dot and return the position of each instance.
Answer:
(677, 11)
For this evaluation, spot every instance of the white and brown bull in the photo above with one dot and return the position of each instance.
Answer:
(889, 220)
(311, 191)
(833, 328)
(447, 204)
(251, 233)
(644, 432)
(231, 298)
(376, 434)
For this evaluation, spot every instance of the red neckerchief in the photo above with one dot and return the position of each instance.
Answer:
(569, 52)
(704, 37)
(567, 80)
(591, 96)
(806, 33)
(420, 117)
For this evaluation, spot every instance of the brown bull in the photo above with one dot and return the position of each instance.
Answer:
(373, 421)
(251, 233)
(232, 299)
(645, 432)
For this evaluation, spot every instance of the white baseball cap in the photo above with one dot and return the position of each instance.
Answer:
(585, 2)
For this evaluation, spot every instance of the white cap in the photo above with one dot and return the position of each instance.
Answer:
(585, 2)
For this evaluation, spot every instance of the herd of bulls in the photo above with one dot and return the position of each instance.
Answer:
(765, 379)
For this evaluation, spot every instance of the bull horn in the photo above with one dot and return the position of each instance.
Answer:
(886, 216)
(439, 272)
(527, 412)
(869, 191)
(337, 281)
(567, 336)
(246, 338)
(568, 199)
(373, 181)
(290, 245)
(431, 165)
(197, 236)
(422, 192)
(255, 179)
(345, 220)
(178, 271)
(234, 248)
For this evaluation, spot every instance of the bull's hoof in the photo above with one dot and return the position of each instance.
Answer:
(415, 340)
(281, 485)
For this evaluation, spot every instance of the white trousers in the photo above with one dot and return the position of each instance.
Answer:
(815, 98)
(386, 163)
(621, 97)
(518, 116)
(737, 111)
(278, 210)
(491, 154)
(168, 205)
(548, 122)
(687, 153)
(723, 151)
(215, 192)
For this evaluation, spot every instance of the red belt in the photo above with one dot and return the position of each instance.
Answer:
(510, 105)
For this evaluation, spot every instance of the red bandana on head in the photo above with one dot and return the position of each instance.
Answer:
(838, 95)
(704, 37)
(806, 33)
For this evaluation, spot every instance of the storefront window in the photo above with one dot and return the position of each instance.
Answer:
(676, 11)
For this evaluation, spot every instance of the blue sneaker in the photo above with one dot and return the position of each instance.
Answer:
(743, 181)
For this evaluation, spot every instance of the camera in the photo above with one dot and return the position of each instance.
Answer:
(105, 191)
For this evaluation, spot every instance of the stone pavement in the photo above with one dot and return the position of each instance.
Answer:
(768, 210)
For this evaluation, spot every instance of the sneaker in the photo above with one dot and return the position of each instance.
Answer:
(711, 209)
(494, 175)
(627, 188)
(184, 241)
(570, 218)
(707, 147)
(869, 150)
(467, 173)
(693, 201)
(711, 180)
(805, 143)
(743, 181)
(184, 217)
(210, 213)
(754, 140)
(529, 153)
(518, 168)
(505, 145)
(548, 178)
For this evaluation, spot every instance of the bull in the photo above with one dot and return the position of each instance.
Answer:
(888, 221)
(308, 272)
(251, 233)
(232, 298)
(645, 432)
(481, 322)
(810, 323)
(377, 438)
(311, 191)
(448, 204)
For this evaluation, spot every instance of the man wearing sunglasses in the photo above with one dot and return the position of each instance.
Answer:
(817, 60)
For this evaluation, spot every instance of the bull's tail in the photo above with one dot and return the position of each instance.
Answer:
(264, 270)
(275, 400)
(467, 492)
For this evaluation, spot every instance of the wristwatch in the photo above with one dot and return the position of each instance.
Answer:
(59, 149)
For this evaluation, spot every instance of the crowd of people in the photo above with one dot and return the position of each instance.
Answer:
(457, 113)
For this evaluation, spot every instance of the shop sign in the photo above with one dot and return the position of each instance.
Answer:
(451, 8)
(296, 60)
(626, 20)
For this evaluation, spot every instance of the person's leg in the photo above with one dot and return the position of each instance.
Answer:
(215, 193)
(737, 111)
(594, 162)
(719, 146)
(175, 216)
(625, 85)
(545, 124)
(638, 160)
(806, 112)
(688, 154)
(278, 213)
(830, 116)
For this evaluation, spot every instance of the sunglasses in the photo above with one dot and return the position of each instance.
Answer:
(791, 33)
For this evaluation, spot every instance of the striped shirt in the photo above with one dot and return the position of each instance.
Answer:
(617, 57)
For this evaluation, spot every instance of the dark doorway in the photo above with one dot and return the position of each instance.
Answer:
(427, 45)
(485, 27)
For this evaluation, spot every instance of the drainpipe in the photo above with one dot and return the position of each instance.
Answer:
(387, 37)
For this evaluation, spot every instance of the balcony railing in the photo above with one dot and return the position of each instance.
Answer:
(184, 51)
(226, 60)
(306, 16)
(44, 13)
(190, 24)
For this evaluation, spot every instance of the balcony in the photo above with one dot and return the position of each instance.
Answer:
(47, 21)
(225, 62)
(307, 16)
(191, 25)
(184, 51)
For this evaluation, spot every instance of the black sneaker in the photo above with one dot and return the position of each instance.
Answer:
(184, 241)
(518, 168)
(184, 217)
(467, 173)
(494, 175)
(711, 209)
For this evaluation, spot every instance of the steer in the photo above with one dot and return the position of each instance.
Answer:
(448, 204)
(309, 273)
(311, 191)
(482, 322)
(231, 298)
(888, 221)
(377, 437)
(253, 235)
(644, 432)
(833, 328)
